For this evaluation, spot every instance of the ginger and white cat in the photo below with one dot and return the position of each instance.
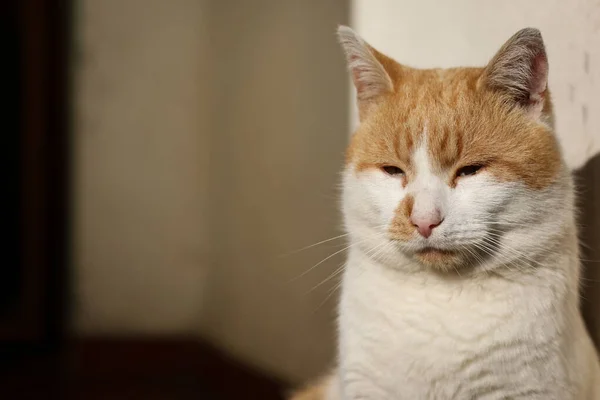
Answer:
(462, 280)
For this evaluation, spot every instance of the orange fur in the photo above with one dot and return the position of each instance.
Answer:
(401, 226)
(465, 124)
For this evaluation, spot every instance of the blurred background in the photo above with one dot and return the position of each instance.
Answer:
(168, 159)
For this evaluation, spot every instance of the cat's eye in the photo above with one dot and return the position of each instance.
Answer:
(391, 170)
(468, 170)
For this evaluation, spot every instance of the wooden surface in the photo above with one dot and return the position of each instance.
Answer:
(132, 369)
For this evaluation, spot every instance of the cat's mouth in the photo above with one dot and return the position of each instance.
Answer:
(434, 251)
(436, 257)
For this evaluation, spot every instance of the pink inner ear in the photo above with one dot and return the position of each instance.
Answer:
(538, 85)
(539, 78)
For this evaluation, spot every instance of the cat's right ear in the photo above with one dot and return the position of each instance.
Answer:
(371, 78)
(519, 71)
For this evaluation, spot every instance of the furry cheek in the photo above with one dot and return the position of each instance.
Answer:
(373, 196)
(475, 203)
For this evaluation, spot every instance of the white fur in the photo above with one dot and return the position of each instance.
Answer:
(430, 192)
(508, 328)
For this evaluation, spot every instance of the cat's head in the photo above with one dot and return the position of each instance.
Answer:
(453, 167)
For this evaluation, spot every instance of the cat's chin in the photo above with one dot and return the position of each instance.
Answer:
(439, 259)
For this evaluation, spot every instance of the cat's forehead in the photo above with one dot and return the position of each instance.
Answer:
(442, 80)
(439, 98)
(444, 111)
(440, 109)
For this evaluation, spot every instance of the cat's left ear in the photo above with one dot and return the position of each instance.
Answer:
(519, 71)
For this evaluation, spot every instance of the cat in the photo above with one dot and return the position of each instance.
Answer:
(462, 278)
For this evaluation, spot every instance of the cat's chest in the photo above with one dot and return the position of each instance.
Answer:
(434, 341)
(427, 313)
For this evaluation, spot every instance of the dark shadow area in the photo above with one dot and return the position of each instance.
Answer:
(36, 138)
(587, 180)
(36, 135)
(10, 276)
(138, 369)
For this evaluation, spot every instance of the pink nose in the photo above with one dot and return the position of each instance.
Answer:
(425, 225)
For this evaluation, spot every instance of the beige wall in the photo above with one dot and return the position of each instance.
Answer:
(209, 136)
(141, 165)
(280, 129)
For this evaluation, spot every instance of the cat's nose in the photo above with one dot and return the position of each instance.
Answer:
(426, 224)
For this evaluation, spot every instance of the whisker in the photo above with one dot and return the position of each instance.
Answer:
(507, 223)
(331, 276)
(324, 241)
(379, 248)
(588, 261)
(488, 250)
(334, 254)
(322, 261)
(527, 258)
(515, 251)
(331, 293)
(313, 245)
(382, 249)
(474, 254)
(343, 265)
(336, 287)
(456, 270)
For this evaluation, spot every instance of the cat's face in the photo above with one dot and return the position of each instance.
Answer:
(445, 170)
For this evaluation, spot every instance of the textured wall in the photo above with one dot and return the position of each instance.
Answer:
(279, 132)
(209, 137)
(141, 165)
